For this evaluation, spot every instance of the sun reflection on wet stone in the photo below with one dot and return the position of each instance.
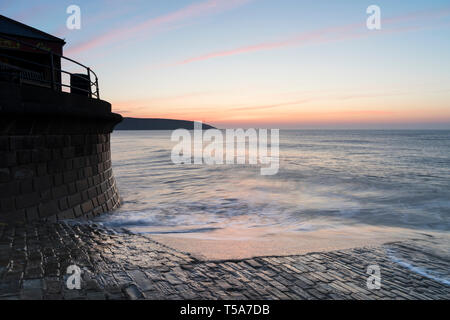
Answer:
(121, 265)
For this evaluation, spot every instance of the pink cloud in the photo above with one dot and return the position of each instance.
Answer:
(325, 35)
(317, 35)
(192, 11)
(321, 98)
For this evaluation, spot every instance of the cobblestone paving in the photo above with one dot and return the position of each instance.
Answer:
(34, 259)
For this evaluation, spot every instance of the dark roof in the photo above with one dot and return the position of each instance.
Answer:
(12, 27)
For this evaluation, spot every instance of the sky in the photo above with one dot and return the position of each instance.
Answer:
(289, 64)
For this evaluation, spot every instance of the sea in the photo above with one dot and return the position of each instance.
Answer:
(326, 179)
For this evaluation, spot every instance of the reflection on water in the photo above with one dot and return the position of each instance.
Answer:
(327, 179)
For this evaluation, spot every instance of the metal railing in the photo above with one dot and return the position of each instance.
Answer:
(52, 82)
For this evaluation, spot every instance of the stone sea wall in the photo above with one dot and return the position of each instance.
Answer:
(55, 156)
(56, 177)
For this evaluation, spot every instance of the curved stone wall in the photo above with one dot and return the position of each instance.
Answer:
(56, 177)
(55, 165)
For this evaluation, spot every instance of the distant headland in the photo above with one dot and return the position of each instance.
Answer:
(157, 124)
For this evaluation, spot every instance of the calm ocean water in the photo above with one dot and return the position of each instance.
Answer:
(326, 179)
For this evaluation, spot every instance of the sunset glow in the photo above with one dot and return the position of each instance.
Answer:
(260, 63)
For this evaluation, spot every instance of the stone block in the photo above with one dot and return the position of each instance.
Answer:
(9, 189)
(77, 211)
(46, 195)
(16, 143)
(48, 208)
(78, 163)
(56, 154)
(60, 191)
(24, 157)
(78, 140)
(82, 185)
(87, 207)
(32, 214)
(101, 199)
(42, 183)
(5, 175)
(80, 174)
(68, 152)
(92, 193)
(88, 172)
(79, 151)
(23, 172)
(66, 214)
(52, 167)
(84, 195)
(26, 186)
(68, 164)
(41, 169)
(58, 179)
(63, 205)
(7, 204)
(27, 200)
(74, 200)
(69, 176)
(72, 188)
(4, 143)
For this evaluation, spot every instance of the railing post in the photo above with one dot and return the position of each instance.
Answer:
(96, 86)
(90, 82)
(52, 76)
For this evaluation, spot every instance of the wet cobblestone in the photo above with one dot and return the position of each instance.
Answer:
(119, 265)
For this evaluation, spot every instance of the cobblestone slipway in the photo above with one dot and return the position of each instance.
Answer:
(119, 265)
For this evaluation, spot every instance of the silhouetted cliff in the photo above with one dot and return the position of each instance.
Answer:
(157, 124)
